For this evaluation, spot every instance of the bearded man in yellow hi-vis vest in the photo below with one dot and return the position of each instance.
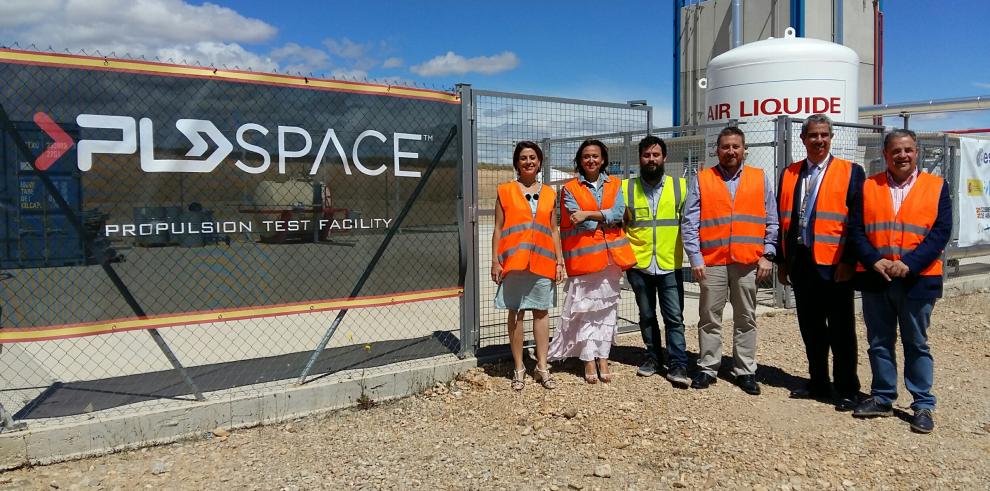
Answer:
(652, 221)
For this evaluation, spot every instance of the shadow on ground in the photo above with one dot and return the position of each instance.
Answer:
(74, 398)
(633, 356)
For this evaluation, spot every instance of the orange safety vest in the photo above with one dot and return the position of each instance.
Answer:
(831, 212)
(732, 230)
(526, 243)
(895, 235)
(589, 252)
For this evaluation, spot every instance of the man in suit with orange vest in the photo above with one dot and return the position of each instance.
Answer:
(899, 229)
(730, 231)
(814, 199)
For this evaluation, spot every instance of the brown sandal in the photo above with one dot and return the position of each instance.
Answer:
(544, 378)
(518, 379)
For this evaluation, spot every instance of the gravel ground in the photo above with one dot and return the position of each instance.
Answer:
(636, 433)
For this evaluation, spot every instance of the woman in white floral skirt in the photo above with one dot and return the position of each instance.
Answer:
(596, 253)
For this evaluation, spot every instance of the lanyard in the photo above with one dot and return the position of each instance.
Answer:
(809, 186)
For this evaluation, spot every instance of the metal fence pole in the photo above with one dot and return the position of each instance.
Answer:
(782, 148)
(547, 167)
(627, 157)
(649, 120)
(470, 300)
(951, 178)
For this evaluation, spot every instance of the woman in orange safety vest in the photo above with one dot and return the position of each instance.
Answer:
(595, 254)
(527, 259)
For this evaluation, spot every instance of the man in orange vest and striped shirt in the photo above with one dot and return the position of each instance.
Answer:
(899, 229)
(730, 231)
(814, 199)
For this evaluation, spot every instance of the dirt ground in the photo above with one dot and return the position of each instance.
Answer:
(636, 433)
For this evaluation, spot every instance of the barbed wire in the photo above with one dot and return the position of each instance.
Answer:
(112, 55)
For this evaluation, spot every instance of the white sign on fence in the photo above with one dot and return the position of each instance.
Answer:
(973, 192)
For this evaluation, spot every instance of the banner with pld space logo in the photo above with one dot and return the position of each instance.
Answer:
(133, 189)
(974, 192)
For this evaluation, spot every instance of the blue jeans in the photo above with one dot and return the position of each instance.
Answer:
(669, 289)
(883, 312)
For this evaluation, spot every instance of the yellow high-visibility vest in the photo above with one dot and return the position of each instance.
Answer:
(656, 235)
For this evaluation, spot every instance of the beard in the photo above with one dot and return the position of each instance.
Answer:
(651, 174)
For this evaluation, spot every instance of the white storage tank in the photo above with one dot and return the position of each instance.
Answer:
(791, 76)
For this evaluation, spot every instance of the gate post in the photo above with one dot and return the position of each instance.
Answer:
(782, 149)
(468, 211)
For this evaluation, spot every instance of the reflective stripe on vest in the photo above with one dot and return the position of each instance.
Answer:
(526, 243)
(655, 235)
(896, 235)
(732, 230)
(828, 235)
(591, 251)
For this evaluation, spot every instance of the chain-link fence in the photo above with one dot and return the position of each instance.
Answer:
(170, 233)
(559, 126)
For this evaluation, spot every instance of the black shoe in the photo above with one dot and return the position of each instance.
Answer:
(648, 368)
(871, 408)
(678, 377)
(702, 380)
(809, 392)
(846, 404)
(748, 384)
(922, 421)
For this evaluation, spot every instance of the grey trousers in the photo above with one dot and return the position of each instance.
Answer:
(736, 283)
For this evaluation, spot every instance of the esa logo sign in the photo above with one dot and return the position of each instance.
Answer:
(139, 136)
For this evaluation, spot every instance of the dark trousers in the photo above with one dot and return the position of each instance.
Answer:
(669, 289)
(827, 321)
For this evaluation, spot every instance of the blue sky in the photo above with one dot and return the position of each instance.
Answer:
(614, 51)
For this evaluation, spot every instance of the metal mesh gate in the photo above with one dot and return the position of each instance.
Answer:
(559, 126)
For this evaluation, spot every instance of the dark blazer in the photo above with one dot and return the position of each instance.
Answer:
(853, 195)
(930, 249)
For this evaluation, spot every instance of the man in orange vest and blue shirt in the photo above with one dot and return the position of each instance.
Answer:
(899, 229)
(814, 199)
(730, 231)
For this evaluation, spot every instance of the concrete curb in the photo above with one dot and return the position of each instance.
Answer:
(100, 436)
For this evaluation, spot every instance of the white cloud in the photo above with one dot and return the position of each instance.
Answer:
(208, 53)
(981, 85)
(392, 62)
(455, 64)
(17, 12)
(183, 32)
(168, 20)
(345, 48)
(167, 29)
(293, 58)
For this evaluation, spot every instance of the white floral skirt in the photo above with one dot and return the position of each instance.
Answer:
(588, 321)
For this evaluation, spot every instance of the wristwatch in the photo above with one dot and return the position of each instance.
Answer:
(770, 257)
